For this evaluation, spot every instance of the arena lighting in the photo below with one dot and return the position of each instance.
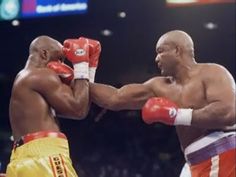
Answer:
(121, 14)
(9, 9)
(106, 32)
(210, 26)
(19, 9)
(174, 3)
(15, 23)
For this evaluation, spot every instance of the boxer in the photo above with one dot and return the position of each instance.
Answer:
(44, 84)
(197, 98)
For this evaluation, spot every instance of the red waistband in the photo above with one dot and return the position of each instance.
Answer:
(33, 136)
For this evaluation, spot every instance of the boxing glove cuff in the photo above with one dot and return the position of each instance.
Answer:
(92, 72)
(184, 117)
(81, 70)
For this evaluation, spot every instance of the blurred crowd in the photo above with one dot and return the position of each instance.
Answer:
(121, 145)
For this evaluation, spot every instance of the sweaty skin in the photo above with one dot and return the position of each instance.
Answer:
(37, 89)
(209, 89)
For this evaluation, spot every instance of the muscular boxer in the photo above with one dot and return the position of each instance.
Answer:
(197, 98)
(40, 149)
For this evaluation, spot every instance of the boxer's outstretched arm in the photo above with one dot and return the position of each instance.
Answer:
(220, 93)
(131, 96)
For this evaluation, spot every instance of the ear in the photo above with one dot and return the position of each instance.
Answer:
(178, 51)
(44, 54)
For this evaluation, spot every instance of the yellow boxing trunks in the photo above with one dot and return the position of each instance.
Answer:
(213, 155)
(41, 154)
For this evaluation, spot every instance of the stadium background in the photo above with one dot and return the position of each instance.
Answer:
(119, 144)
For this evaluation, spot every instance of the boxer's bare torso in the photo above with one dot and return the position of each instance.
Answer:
(37, 89)
(190, 94)
(29, 111)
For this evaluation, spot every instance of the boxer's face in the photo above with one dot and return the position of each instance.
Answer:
(166, 58)
(56, 52)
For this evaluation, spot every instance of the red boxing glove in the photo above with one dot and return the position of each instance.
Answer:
(162, 110)
(77, 51)
(65, 72)
(94, 53)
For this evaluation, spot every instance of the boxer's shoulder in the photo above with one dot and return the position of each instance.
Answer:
(160, 80)
(211, 71)
(211, 67)
(36, 72)
(36, 78)
(41, 74)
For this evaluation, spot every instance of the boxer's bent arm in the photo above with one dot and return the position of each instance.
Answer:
(220, 93)
(131, 96)
(73, 103)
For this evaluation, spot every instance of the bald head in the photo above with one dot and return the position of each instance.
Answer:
(43, 43)
(46, 48)
(178, 38)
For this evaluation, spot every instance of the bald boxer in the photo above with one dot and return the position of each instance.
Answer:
(42, 86)
(197, 98)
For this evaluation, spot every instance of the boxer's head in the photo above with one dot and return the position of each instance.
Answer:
(173, 48)
(46, 49)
